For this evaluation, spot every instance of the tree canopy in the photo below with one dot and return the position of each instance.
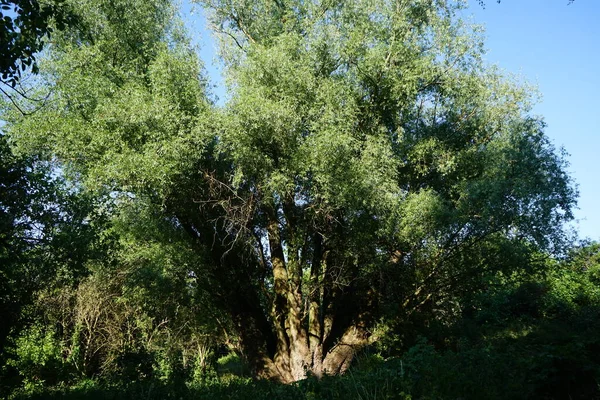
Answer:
(482, 2)
(24, 24)
(368, 167)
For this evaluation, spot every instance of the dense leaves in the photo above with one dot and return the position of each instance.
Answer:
(369, 182)
(45, 230)
(24, 25)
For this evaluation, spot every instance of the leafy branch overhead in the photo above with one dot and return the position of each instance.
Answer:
(24, 27)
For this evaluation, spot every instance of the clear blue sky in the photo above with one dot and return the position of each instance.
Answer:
(549, 43)
(557, 47)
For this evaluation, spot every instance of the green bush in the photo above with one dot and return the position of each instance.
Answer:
(37, 356)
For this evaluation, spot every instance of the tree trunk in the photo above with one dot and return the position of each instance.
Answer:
(286, 331)
(306, 342)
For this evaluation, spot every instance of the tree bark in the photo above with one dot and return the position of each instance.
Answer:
(292, 350)
(286, 334)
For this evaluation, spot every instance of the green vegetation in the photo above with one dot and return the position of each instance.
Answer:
(373, 214)
(24, 24)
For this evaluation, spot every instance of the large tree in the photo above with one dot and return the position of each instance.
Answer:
(367, 166)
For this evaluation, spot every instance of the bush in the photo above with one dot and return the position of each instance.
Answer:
(37, 356)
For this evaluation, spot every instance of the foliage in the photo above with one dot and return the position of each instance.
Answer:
(24, 24)
(38, 359)
(370, 182)
(535, 334)
(46, 232)
(369, 167)
(521, 340)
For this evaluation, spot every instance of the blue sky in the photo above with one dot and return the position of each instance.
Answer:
(549, 43)
(557, 47)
